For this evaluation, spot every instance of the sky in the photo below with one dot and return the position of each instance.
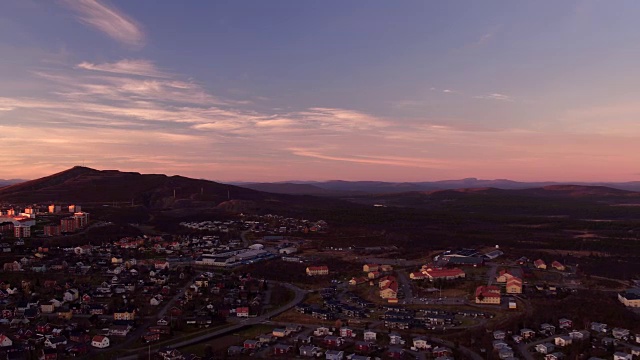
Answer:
(318, 90)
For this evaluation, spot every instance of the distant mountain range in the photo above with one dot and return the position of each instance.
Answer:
(156, 192)
(346, 188)
(8, 182)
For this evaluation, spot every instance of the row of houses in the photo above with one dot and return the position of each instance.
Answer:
(540, 264)
(330, 343)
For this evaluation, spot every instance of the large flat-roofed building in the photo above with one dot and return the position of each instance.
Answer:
(230, 258)
(317, 270)
(461, 257)
(249, 254)
(488, 295)
(630, 298)
(18, 220)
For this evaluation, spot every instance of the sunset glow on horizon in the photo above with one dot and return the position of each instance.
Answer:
(289, 90)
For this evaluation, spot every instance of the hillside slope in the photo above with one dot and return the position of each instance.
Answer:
(86, 185)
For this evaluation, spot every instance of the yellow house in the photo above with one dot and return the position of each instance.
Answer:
(540, 264)
(390, 291)
(370, 267)
(504, 276)
(65, 315)
(124, 315)
(514, 286)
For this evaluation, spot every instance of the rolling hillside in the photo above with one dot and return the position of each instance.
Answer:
(85, 185)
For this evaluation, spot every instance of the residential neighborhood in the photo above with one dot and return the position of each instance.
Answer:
(154, 290)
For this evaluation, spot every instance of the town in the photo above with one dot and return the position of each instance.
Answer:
(264, 286)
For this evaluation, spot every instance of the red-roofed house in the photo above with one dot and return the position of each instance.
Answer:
(385, 281)
(100, 341)
(558, 266)
(503, 276)
(161, 264)
(417, 275)
(242, 312)
(540, 264)
(317, 270)
(444, 274)
(390, 291)
(358, 281)
(5, 341)
(488, 295)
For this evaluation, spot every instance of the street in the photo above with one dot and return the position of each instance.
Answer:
(299, 296)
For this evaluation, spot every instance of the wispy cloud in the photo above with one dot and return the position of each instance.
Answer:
(445, 91)
(135, 94)
(339, 119)
(487, 36)
(108, 20)
(126, 66)
(372, 160)
(276, 123)
(495, 96)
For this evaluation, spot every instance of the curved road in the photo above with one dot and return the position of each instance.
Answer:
(299, 296)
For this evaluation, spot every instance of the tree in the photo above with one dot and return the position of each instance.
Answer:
(208, 352)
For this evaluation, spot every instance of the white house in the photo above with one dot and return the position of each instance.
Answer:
(310, 351)
(100, 341)
(421, 343)
(499, 344)
(334, 355)
(71, 295)
(545, 348)
(370, 335)
(155, 301)
(322, 331)
(622, 356)
(56, 302)
(54, 342)
(5, 341)
(288, 250)
(579, 335)
(499, 334)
